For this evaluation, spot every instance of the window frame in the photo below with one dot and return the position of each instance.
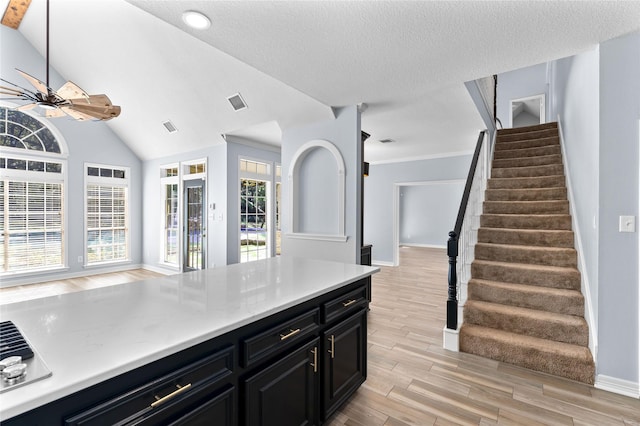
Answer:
(268, 178)
(164, 181)
(113, 182)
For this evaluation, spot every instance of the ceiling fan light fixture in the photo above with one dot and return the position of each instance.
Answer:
(196, 20)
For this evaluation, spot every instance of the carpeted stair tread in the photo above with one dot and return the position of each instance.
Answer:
(531, 194)
(529, 171)
(557, 181)
(541, 160)
(527, 237)
(528, 129)
(560, 359)
(524, 221)
(533, 134)
(530, 322)
(551, 256)
(561, 301)
(501, 145)
(527, 207)
(522, 273)
(527, 152)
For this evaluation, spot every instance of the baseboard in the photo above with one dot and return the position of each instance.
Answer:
(438, 246)
(619, 386)
(160, 269)
(381, 263)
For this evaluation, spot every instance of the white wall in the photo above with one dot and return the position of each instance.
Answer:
(344, 134)
(426, 209)
(379, 189)
(92, 142)
(619, 191)
(519, 84)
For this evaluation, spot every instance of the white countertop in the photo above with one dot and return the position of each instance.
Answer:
(90, 336)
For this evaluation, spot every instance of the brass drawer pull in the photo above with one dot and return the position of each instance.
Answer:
(349, 302)
(171, 395)
(290, 334)
(332, 351)
(314, 351)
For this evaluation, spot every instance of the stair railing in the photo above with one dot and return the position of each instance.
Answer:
(464, 236)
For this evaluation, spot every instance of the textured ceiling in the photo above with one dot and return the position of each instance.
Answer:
(292, 60)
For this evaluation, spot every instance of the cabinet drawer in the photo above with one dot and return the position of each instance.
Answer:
(345, 304)
(281, 336)
(166, 395)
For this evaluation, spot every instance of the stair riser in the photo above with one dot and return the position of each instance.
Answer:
(549, 170)
(512, 274)
(539, 134)
(559, 222)
(556, 364)
(529, 326)
(524, 254)
(537, 238)
(527, 152)
(526, 183)
(527, 161)
(526, 194)
(526, 207)
(567, 304)
(501, 145)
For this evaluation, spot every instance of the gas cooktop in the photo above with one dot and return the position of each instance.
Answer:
(19, 363)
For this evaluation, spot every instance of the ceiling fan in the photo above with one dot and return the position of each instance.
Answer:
(69, 100)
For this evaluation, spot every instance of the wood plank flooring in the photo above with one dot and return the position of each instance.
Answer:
(411, 379)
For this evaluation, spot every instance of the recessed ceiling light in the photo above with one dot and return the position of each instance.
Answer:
(196, 20)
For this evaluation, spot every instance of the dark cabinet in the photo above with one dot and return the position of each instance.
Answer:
(344, 361)
(286, 392)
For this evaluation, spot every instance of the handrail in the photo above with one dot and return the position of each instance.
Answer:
(452, 243)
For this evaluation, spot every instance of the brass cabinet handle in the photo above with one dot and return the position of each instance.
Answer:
(349, 302)
(332, 351)
(290, 334)
(314, 364)
(171, 395)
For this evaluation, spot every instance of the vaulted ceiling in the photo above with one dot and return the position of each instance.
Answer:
(294, 61)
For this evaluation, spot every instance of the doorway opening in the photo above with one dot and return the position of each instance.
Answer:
(194, 229)
(528, 111)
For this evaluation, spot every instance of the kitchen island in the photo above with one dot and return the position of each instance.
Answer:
(274, 341)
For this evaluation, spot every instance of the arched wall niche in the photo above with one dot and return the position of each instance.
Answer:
(336, 203)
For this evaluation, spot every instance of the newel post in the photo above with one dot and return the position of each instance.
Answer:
(452, 299)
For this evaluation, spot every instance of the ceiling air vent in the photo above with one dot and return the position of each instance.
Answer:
(237, 102)
(169, 126)
(387, 140)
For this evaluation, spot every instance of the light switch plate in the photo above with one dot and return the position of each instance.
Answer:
(627, 224)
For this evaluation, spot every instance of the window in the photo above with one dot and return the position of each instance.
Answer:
(107, 214)
(32, 177)
(278, 179)
(254, 217)
(170, 219)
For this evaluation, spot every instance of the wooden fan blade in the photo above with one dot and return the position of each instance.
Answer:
(14, 13)
(71, 91)
(75, 114)
(42, 87)
(8, 90)
(53, 113)
(97, 112)
(26, 107)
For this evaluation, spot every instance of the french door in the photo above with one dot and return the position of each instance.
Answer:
(195, 231)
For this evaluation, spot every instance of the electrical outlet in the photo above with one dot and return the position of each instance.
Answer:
(627, 224)
(80, 259)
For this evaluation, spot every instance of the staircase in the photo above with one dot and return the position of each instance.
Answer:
(524, 304)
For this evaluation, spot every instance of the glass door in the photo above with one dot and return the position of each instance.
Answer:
(195, 228)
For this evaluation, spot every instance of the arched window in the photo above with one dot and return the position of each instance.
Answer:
(32, 178)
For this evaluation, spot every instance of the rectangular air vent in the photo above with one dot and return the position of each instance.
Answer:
(169, 126)
(387, 140)
(237, 102)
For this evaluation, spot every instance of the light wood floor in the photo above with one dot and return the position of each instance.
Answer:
(411, 379)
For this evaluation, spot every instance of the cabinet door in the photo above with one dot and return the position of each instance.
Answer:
(286, 392)
(344, 360)
(220, 409)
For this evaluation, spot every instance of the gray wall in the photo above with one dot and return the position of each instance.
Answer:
(379, 193)
(427, 209)
(576, 101)
(92, 142)
(344, 133)
(619, 191)
(518, 84)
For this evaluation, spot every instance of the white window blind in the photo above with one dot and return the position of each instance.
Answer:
(107, 232)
